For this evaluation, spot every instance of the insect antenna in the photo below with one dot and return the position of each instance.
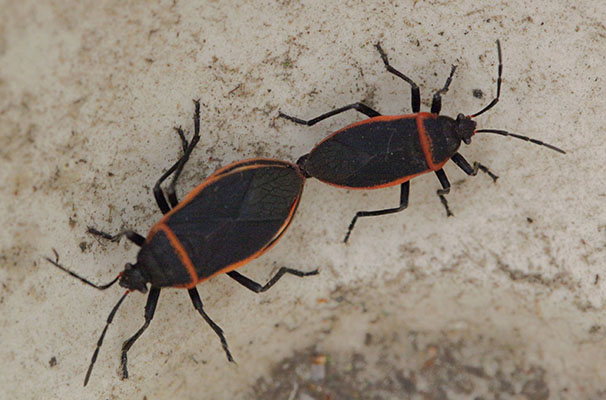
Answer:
(100, 341)
(526, 138)
(110, 318)
(62, 268)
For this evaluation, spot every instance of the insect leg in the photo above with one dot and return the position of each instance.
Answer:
(171, 191)
(472, 171)
(130, 235)
(415, 94)
(445, 190)
(257, 288)
(197, 302)
(500, 73)
(362, 108)
(436, 104)
(150, 308)
(404, 191)
(177, 167)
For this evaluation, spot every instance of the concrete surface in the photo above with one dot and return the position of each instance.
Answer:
(507, 292)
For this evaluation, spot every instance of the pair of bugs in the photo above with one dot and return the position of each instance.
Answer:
(240, 211)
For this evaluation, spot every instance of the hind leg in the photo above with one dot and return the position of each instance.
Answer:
(404, 192)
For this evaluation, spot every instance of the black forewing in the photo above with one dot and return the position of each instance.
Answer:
(236, 216)
(370, 154)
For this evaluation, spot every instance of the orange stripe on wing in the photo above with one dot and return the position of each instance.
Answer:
(181, 253)
(262, 251)
(425, 145)
(380, 118)
(426, 141)
(232, 168)
(381, 186)
(217, 175)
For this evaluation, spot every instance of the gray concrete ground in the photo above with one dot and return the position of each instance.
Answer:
(503, 300)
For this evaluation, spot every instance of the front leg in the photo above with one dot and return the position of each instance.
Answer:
(150, 309)
(197, 302)
(444, 191)
(177, 167)
(472, 171)
(436, 104)
(130, 235)
(415, 93)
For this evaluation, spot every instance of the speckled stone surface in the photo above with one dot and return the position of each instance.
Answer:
(508, 291)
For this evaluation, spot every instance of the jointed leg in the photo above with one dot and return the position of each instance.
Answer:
(184, 142)
(177, 167)
(257, 288)
(472, 171)
(171, 191)
(436, 104)
(157, 190)
(197, 302)
(445, 190)
(150, 308)
(500, 73)
(404, 191)
(362, 108)
(415, 94)
(130, 235)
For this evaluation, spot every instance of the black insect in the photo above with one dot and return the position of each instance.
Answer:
(388, 150)
(234, 216)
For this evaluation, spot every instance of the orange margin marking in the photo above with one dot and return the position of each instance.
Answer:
(426, 141)
(423, 138)
(229, 169)
(180, 250)
(274, 240)
(385, 185)
(368, 121)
